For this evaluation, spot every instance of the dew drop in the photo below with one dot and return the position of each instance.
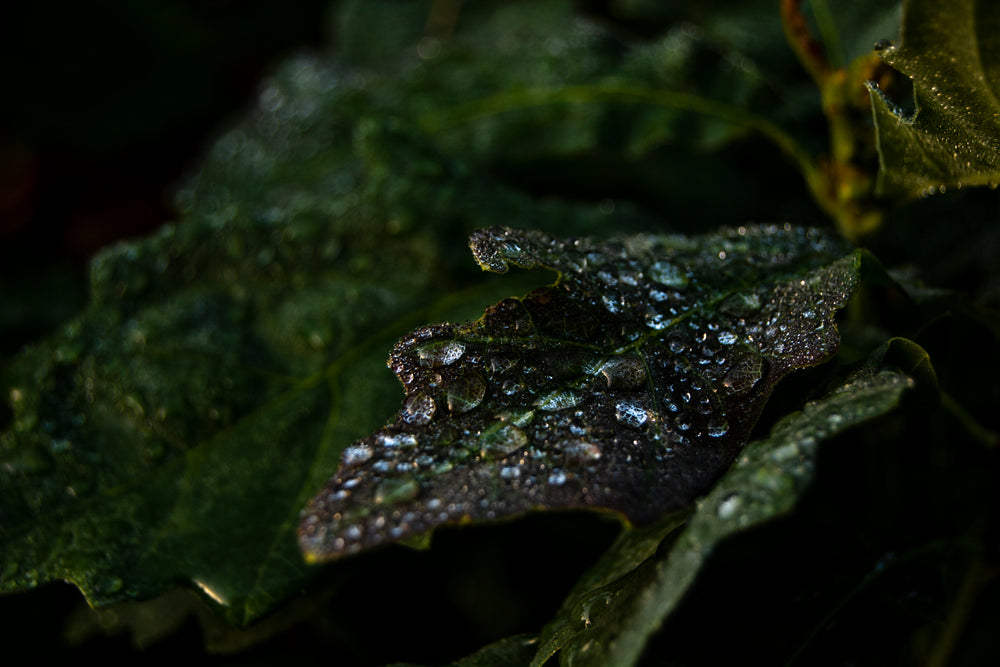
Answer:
(582, 453)
(667, 274)
(499, 441)
(557, 478)
(356, 454)
(613, 305)
(510, 472)
(717, 427)
(400, 440)
(624, 372)
(727, 337)
(465, 393)
(418, 409)
(440, 353)
(558, 400)
(631, 413)
(396, 490)
(729, 507)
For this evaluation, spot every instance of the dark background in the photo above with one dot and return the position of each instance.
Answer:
(105, 106)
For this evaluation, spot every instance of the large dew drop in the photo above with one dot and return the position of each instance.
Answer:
(499, 441)
(631, 413)
(465, 393)
(418, 409)
(744, 374)
(624, 372)
(558, 400)
(440, 353)
(668, 274)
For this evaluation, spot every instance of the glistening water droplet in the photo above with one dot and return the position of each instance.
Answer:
(440, 353)
(418, 409)
(465, 392)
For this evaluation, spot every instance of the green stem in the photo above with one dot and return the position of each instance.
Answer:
(844, 187)
(990, 439)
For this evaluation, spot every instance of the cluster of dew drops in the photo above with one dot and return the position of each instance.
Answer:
(512, 402)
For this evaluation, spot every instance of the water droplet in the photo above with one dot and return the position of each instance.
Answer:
(785, 453)
(558, 400)
(400, 440)
(717, 427)
(677, 346)
(396, 490)
(729, 507)
(667, 274)
(465, 393)
(744, 374)
(510, 472)
(418, 409)
(440, 353)
(727, 337)
(631, 413)
(624, 372)
(500, 440)
(582, 453)
(356, 454)
(557, 477)
(613, 305)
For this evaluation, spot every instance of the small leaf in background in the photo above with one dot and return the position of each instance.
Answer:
(629, 385)
(952, 53)
(609, 623)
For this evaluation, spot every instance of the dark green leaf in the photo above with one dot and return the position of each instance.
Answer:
(172, 432)
(629, 385)
(610, 622)
(952, 52)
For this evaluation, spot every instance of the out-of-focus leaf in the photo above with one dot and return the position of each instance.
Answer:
(952, 53)
(609, 624)
(171, 433)
(629, 385)
(510, 652)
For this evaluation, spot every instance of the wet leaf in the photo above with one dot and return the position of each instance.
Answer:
(222, 364)
(952, 53)
(629, 385)
(629, 593)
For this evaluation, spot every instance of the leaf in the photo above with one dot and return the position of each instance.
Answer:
(610, 622)
(629, 385)
(509, 652)
(952, 53)
(222, 364)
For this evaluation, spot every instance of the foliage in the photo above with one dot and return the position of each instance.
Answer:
(770, 423)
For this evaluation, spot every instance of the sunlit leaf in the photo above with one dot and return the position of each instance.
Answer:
(629, 385)
(952, 53)
(609, 616)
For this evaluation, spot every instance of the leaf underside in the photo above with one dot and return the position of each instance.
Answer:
(953, 138)
(629, 385)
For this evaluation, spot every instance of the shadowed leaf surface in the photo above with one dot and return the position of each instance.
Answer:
(628, 594)
(629, 385)
(952, 53)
